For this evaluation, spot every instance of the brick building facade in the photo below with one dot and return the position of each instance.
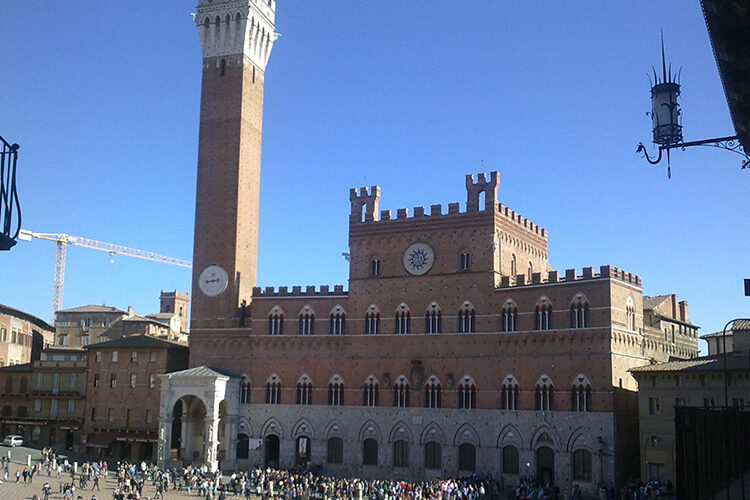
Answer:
(22, 336)
(454, 349)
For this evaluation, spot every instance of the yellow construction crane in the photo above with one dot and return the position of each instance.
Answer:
(63, 240)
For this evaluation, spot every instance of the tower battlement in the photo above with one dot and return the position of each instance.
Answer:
(297, 291)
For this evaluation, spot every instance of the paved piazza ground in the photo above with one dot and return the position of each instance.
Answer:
(10, 490)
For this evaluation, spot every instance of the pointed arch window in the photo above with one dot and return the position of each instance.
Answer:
(304, 391)
(338, 320)
(402, 320)
(467, 321)
(510, 317)
(370, 392)
(374, 267)
(579, 312)
(509, 394)
(372, 321)
(432, 396)
(306, 323)
(273, 390)
(400, 453)
(513, 266)
(465, 261)
(433, 319)
(245, 391)
(544, 394)
(467, 393)
(630, 312)
(336, 391)
(276, 323)
(543, 314)
(401, 393)
(433, 455)
(581, 394)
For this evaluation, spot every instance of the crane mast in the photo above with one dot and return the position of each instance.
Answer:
(63, 240)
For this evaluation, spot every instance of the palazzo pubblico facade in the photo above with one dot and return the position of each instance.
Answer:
(454, 349)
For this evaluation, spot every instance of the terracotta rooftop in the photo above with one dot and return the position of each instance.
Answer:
(93, 309)
(138, 341)
(735, 361)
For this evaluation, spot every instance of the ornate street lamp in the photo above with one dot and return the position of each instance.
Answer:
(10, 209)
(666, 119)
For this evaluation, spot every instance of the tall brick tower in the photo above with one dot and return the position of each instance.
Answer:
(236, 38)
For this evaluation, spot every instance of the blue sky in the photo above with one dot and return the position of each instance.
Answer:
(103, 98)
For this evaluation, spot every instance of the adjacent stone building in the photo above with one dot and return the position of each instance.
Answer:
(43, 401)
(455, 348)
(22, 336)
(122, 394)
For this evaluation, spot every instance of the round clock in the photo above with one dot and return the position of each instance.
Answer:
(418, 258)
(213, 280)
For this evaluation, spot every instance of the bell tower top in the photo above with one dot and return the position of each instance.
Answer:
(234, 27)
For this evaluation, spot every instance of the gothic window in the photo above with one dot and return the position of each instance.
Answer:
(306, 322)
(509, 393)
(510, 459)
(273, 390)
(276, 322)
(338, 319)
(582, 465)
(433, 319)
(530, 273)
(630, 308)
(401, 453)
(464, 261)
(543, 314)
(513, 266)
(510, 316)
(467, 457)
(401, 392)
(335, 451)
(372, 321)
(544, 394)
(433, 455)
(375, 267)
(335, 391)
(370, 392)
(432, 397)
(403, 320)
(467, 393)
(467, 321)
(579, 312)
(304, 390)
(370, 452)
(245, 391)
(581, 394)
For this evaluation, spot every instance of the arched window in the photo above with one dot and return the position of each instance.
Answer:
(433, 455)
(579, 312)
(335, 391)
(370, 392)
(403, 320)
(513, 266)
(467, 393)
(510, 316)
(467, 457)
(530, 273)
(464, 261)
(401, 392)
(401, 453)
(582, 465)
(335, 451)
(306, 321)
(374, 264)
(245, 391)
(544, 394)
(370, 452)
(223, 67)
(630, 308)
(276, 322)
(543, 314)
(467, 321)
(432, 396)
(433, 319)
(509, 393)
(338, 320)
(304, 390)
(273, 390)
(581, 394)
(372, 321)
(510, 459)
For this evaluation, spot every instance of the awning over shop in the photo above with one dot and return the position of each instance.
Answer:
(140, 437)
(100, 439)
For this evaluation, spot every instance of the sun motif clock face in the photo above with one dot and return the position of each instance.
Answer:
(213, 280)
(418, 259)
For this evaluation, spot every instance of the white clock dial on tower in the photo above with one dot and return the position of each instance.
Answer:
(213, 281)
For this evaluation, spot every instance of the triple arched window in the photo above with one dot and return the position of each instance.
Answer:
(433, 319)
(306, 321)
(467, 393)
(467, 321)
(509, 393)
(432, 396)
(370, 392)
(581, 394)
(336, 391)
(244, 391)
(402, 320)
(401, 392)
(304, 390)
(543, 314)
(372, 321)
(276, 322)
(579, 312)
(337, 321)
(273, 390)
(544, 394)
(510, 316)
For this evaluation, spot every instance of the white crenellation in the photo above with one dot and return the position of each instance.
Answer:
(234, 27)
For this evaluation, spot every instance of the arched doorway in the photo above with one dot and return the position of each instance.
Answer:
(271, 450)
(188, 432)
(545, 465)
(243, 446)
(467, 457)
(302, 451)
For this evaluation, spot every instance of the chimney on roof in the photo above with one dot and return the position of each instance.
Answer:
(130, 311)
